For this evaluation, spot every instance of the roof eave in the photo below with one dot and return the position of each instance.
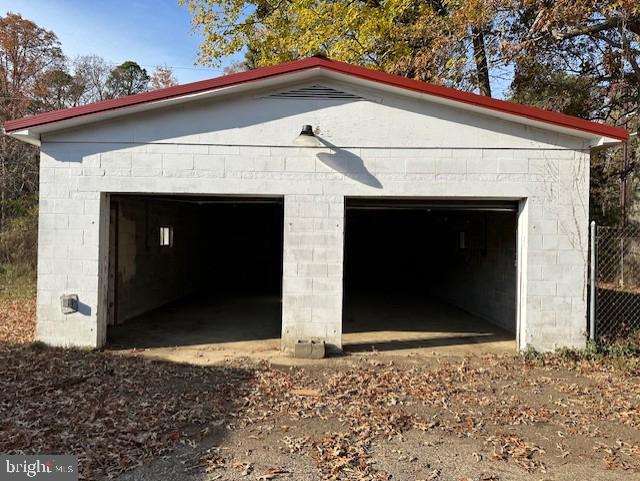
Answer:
(25, 135)
(471, 100)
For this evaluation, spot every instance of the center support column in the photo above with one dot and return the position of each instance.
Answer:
(312, 271)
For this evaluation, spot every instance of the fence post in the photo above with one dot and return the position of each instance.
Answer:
(621, 282)
(592, 285)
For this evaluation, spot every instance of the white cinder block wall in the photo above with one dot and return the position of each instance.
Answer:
(149, 275)
(388, 145)
(312, 279)
(482, 283)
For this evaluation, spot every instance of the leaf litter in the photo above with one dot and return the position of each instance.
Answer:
(118, 412)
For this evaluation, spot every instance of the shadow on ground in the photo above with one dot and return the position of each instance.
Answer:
(113, 412)
(426, 343)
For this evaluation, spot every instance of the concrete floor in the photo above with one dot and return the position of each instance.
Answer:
(409, 324)
(204, 330)
(231, 321)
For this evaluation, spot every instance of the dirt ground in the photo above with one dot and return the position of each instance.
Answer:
(366, 416)
(495, 418)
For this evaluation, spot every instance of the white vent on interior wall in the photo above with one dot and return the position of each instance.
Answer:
(317, 92)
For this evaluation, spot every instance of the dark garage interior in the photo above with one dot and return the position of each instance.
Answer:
(189, 270)
(420, 274)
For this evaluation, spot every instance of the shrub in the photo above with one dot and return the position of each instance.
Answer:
(18, 250)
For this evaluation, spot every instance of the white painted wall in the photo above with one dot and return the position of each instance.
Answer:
(390, 145)
(149, 275)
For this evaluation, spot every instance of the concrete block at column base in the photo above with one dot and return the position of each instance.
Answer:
(309, 349)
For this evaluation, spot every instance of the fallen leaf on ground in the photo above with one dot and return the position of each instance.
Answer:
(306, 392)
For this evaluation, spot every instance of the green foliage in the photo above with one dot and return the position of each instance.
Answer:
(18, 249)
(16, 283)
(627, 347)
(127, 78)
(21, 206)
(540, 85)
(428, 40)
(604, 193)
(19, 236)
(553, 90)
(35, 77)
(531, 355)
(618, 352)
(39, 346)
(57, 89)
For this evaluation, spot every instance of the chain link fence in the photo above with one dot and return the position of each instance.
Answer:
(617, 282)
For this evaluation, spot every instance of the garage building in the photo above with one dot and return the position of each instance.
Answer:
(313, 200)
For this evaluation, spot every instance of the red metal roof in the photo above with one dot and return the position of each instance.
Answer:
(502, 106)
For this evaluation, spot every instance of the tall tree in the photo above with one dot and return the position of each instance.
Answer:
(551, 89)
(235, 67)
(27, 54)
(162, 77)
(92, 72)
(594, 40)
(127, 78)
(437, 40)
(57, 89)
(582, 57)
(481, 61)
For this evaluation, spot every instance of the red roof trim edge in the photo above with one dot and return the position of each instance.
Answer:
(502, 106)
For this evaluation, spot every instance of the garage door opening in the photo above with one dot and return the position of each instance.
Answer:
(421, 274)
(187, 270)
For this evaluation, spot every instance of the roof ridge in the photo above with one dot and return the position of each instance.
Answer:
(469, 98)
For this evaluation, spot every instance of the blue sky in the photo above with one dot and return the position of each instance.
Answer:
(150, 32)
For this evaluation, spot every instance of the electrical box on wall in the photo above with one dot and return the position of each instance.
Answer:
(69, 303)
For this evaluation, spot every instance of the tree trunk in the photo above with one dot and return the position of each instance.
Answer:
(480, 58)
(3, 182)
